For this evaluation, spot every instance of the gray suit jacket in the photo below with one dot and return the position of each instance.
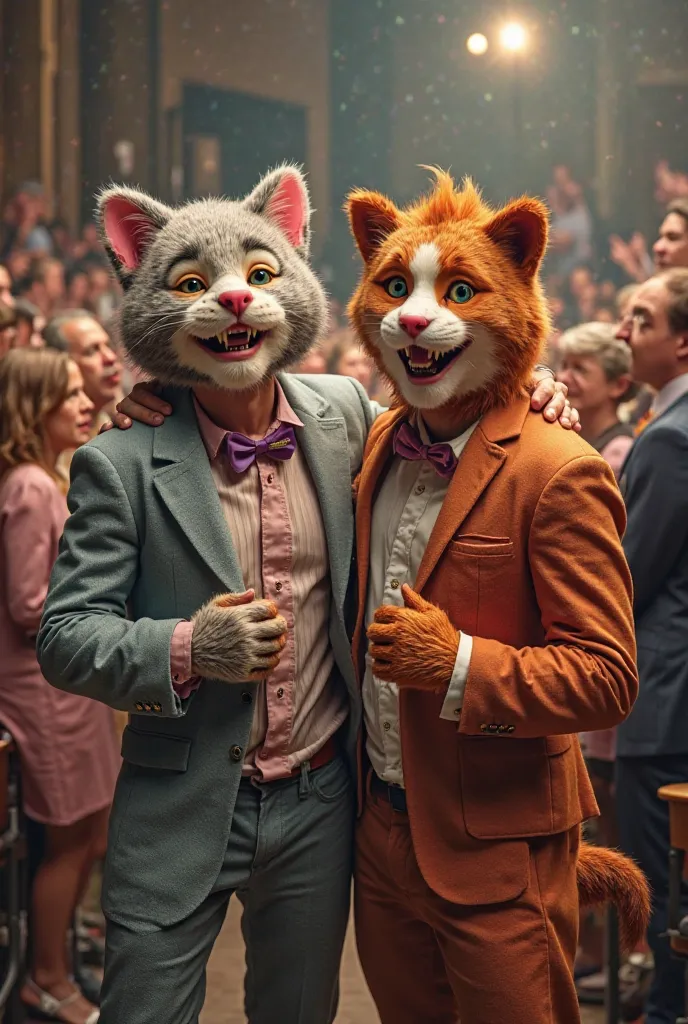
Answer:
(654, 483)
(146, 545)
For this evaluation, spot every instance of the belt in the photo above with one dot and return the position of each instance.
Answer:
(394, 795)
(327, 753)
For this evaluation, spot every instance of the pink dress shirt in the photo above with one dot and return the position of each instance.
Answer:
(273, 515)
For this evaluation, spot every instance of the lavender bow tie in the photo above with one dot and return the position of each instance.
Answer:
(243, 451)
(408, 444)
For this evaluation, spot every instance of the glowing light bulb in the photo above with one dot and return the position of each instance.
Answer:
(477, 44)
(513, 37)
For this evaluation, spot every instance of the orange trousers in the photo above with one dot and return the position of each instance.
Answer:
(429, 961)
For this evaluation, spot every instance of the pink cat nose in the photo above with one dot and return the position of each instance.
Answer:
(413, 325)
(236, 302)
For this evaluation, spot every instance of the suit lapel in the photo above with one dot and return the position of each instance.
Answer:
(324, 443)
(481, 459)
(185, 485)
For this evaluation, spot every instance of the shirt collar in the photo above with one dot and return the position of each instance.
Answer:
(214, 436)
(457, 444)
(669, 394)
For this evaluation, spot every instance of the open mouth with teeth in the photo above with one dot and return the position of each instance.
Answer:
(236, 343)
(423, 365)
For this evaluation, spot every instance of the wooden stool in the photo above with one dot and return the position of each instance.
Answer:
(677, 797)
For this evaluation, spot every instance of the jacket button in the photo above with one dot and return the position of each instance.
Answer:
(511, 728)
(394, 584)
(138, 705)
(492, 728)
(148, 706)
(483, 728)
(157, 707)
(236, 753)
(246, 697)
(502, 728)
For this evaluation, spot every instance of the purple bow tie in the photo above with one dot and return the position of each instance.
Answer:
(243, 451)
(408, 444)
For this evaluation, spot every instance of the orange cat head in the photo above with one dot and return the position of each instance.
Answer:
(449, 304)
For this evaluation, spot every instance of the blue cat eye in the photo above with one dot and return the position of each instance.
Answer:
(460, 292)
(396, 287)
(260, 276)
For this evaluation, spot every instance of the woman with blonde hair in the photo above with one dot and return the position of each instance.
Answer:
(66, 743)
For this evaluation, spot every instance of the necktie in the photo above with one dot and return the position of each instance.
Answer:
(408, 445)
(243, 451)
(643, 422)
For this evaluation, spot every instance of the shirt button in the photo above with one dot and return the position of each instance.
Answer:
(236, 753)
(394, 584)
(420, 488)
(386, 726)
(457, 712)
(278, 586)
(246, 697)
(280, 692)
(270, 477)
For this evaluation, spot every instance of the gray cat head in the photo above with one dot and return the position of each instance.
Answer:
(216, 291)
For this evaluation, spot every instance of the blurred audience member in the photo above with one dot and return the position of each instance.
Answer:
(30, 324)
(313, 362)
(66, 743)
(8, 328)
(18, 263)
(596, 368)
(571, 230)
(671, 248)
(77, 332)
(6, 295)
(652, 744)
(24, 221)
(89, 249)
(78, 286)
(44, 286)
(348, 359)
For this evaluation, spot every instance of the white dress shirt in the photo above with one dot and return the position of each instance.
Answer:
(404, 515)
(669, 394)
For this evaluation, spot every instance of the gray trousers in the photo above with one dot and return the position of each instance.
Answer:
(289, 861)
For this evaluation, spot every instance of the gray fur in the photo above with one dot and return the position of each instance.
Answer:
(156, 324)
(237, 643)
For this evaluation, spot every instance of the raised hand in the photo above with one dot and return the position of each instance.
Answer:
(236, 638)
(414, 646)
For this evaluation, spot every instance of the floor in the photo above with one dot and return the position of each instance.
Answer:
(226, 968)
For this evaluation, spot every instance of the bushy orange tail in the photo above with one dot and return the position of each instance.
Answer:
(607, 876)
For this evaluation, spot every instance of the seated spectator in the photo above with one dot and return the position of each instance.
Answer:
(313, 362)
(67, 746)
(8, 328)
(671, 248)
(44, 286)
(571, 231)
(596, 368)
(348, 359)
(30, 323)
(77, 286)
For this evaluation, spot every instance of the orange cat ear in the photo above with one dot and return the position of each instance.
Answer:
(372, 217)
(520, 230)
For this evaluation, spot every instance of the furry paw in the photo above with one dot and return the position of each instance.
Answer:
(236, 638)
(414, 646)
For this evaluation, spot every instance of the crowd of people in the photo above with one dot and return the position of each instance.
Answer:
(61, 375)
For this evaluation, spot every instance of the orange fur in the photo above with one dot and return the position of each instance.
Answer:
(499, 251)
(413, 646)
(606, 876)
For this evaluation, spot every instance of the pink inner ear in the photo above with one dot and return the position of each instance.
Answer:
(288, 208)
(128, 230)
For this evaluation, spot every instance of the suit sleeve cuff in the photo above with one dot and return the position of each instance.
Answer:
(453, 702)
(183, 680)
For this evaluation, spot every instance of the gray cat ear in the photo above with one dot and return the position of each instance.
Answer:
(129, 220)
(282, 197)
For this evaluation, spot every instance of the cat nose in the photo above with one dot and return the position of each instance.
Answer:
(413, 325)
(236, 302)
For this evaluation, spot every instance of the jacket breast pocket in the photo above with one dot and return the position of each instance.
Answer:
(481, 567)
(514, 789)
(155, 750)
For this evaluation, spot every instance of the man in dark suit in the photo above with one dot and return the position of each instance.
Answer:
(652, 748)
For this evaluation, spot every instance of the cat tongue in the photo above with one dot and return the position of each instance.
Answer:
(417, 354)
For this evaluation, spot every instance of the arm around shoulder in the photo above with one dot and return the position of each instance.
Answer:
(85, 643)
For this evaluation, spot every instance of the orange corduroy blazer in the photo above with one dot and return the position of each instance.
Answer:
(526, 557)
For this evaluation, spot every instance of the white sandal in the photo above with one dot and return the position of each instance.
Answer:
(49, 1007)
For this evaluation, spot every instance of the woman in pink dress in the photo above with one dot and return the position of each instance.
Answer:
(66, 743)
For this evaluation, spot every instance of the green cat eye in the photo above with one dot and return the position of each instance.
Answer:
(260, 276)
(191, 286)
(396, 287)
(460, 292)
